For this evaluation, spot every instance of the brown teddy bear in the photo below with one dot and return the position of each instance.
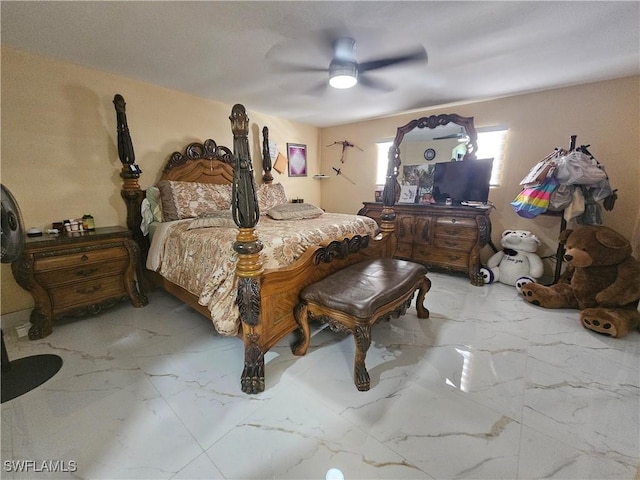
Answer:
(602, 279)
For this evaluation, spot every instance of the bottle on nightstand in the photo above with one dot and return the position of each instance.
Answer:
(88, 222)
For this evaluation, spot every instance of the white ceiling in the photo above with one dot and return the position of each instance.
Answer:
(227, 50)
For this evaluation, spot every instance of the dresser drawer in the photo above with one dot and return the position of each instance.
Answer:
(86, 293)
(82, 273)
(404, 250)
(453, 230)
(57, 260)
(442, 257)
(453, 221)
(456, 242)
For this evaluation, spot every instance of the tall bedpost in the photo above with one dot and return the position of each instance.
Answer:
(267, 177)
(131, 192)
(388, 214)
(249, 267)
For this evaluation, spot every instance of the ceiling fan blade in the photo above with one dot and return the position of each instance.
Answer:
(455, 135)
(318, 89)
(417, 55)
(297, 68)
(376, 84)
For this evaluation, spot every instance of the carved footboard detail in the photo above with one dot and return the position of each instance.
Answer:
(252, 380)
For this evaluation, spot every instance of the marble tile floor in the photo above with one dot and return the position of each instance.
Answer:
(489, 387)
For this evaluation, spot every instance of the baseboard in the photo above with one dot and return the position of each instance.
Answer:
(15, 319)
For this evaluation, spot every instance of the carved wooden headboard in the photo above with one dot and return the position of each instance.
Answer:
(201, 162)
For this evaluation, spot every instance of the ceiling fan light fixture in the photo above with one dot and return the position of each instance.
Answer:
(343, 75)
(463, 137)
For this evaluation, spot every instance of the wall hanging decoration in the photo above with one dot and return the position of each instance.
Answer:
(344, 144)
(429, 154)
(339, 172)
(297, 154)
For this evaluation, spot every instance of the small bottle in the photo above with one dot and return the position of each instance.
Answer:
(88, 222)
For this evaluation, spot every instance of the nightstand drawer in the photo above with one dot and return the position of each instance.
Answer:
(82, 273)
(89, 292)
(81, 257)
(77, 274)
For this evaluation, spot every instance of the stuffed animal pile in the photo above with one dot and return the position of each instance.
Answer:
(517, 264)
(602, 280)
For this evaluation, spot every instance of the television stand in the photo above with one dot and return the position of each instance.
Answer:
(442, 237)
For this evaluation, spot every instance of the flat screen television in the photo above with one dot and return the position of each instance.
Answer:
(464, 181)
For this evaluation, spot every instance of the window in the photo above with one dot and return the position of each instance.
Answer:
(383, 162)
(491, 144)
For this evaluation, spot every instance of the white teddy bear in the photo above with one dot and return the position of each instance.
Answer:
(517, 264)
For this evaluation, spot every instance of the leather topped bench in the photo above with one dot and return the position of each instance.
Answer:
(353, 299)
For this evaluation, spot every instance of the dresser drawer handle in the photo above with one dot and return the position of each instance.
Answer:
(87, 272)
(87, 291)
(453, 220)
(453, 258)
(452, 231)
(84, 258)
(449, 243)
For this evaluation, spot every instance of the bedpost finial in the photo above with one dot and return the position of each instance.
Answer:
(118, 101)
(239, 120)
(130, 171)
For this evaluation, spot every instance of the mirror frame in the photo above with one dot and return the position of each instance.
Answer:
(392, 187)
(435, 121)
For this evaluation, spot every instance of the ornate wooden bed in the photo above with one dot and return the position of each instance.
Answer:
(265, 297)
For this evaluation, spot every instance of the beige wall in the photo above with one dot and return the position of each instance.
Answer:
(59, 154)
(59, 143)
(605, 115)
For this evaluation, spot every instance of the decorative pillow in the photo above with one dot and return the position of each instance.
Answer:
(153, 195)
(270, 195)
(292, 211)
(214, 219)
(190, 199)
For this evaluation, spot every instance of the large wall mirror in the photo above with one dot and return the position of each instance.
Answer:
(423, 142)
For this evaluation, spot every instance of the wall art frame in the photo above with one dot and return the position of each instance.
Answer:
(297, 156)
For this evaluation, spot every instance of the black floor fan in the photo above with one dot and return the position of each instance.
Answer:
(24, 374)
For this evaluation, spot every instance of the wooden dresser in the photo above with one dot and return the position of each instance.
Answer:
(439, 236)
(77, 273)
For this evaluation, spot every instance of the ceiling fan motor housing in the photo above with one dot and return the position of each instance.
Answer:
(343, 69)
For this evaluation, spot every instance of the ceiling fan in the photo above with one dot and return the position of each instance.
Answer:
(345, 71)
(461, 136)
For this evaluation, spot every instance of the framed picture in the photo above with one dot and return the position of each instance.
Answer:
(297, 155)
(378, 193)
(408, 194)
(420, 175)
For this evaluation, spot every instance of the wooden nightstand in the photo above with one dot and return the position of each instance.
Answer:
(77, 273)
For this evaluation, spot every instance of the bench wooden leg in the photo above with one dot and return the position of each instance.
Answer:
(362, 338)
(301, 314)
(423, 288)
